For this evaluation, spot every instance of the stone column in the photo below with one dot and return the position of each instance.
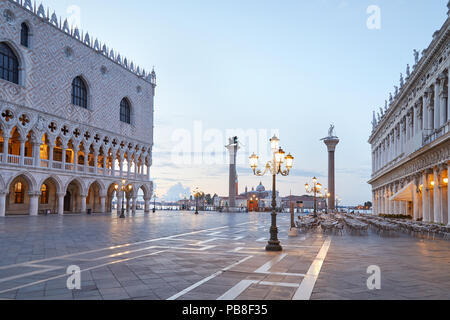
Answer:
(75, 159)
(22, 151)
(129, 161)
(331, 143)
(119, 201)
(34, 203)
(134, 205)
(416, 201)
(402, 135)
(128, 201)
(104, 164)
(448, 95)
(437, 113)
(2, 203)
(147, 205)
(60, 196)
(425, 198)
(425, 113)
(443, 100)
(83, 203)
(448, 195)
(416, 119)
(437, 196)
(37, 154)
(95, 161)
(102, 204)
(6, 137)
(121, 165)
(232, 148)
(50, 155)
(86, 160)
(64, 151)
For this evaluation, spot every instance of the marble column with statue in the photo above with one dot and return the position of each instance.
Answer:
(331, 141)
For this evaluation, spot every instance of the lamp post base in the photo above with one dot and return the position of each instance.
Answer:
(122, 214)
(274, 246)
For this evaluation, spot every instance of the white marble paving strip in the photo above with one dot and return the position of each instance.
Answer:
(195, 285)
(306, 288)
(237, 290)
(205, 241)
(115, 247)
(84, 270)
(266, 267)
(27, 274)
(279, 284)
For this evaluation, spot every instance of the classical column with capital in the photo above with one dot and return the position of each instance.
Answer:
(60, 196)
(133, 205)
(102, 204)
(34, 203)
(416, 201)
(437, 195)
(22, 151)
(437, 104)
(83, 203)
(232, 148)
(147, 205)
(2, 203)
(448, 195)
(443, 95)
(331, 143)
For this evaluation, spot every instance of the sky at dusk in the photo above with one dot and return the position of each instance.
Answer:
(253, 68)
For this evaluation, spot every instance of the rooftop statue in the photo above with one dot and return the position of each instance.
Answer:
(416, 56)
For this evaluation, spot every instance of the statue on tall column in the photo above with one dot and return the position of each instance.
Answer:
(331, 131)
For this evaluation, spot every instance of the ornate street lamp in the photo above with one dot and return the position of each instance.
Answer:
(275, 168)
(197, 195)
(314, 189)
(124, 188)
(326, 195)
(154, 203)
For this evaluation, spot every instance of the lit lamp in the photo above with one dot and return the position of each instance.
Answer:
(197, 195)
(275, 168)
(446, 180)
(124, 188)
(314, 189)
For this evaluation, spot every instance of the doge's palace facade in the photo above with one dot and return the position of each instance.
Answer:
(76, 118)
(411, 140)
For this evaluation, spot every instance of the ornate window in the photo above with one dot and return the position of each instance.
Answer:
(9, 64)
(79, 93)
(125, 111)
(25, 35)
(19, 193)
(44, 194)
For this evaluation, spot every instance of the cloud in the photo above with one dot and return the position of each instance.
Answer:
(177, 192)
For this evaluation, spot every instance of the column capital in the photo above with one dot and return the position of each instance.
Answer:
(61, 194)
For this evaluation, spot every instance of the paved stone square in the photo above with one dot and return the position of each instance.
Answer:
(177, 255)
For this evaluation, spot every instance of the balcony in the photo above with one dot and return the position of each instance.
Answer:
(15, 160)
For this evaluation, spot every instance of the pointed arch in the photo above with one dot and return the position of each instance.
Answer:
(56, 180)
(33, 186)
(9, 64)
(125, 111)
(80, 92)
(20, 59)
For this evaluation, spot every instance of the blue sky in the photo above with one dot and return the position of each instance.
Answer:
(293, 66)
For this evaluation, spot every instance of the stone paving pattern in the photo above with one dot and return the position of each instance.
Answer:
(160, 256)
